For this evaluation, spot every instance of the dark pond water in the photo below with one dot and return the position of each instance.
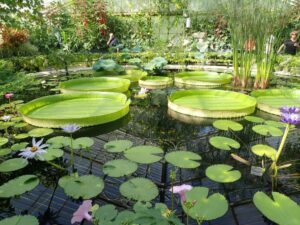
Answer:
(149, 122)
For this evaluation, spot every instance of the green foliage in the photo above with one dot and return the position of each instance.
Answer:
(20, 220)
(222, 173)
(183, 159)
(13, 165)
(224, 143)
(144, 154)
(108, 65)
(156, 65)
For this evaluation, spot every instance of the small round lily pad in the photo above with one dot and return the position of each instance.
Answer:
(5, 151)
(85, 187)
(228, 125)
(118, 146)
(105, 213)
(207, 208)
(224, 143)
(21, 125)
(3, 141)
(139, 189)
(13, 165)
(119, 168)
(83, 142)
(40, 132)
(18, 186)
(254, 119)
(222, 173)
(275, 123)
(59, 141)
(19, 146)
(145, 154)
(22, 136)
(20, 220)
(262, 150)
(267, 130)
(183, 159)
(53, 153)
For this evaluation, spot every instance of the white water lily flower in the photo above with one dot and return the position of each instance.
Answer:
(36, 151)
(6, 118)
(143, 91)
(70, 128)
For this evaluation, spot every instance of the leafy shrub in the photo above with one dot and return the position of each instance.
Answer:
(108, 65)
(156, 65)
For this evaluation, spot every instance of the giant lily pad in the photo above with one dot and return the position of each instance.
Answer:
(20, 220)
(155, 82)
(228, 125)
(119, 168)
(224, 143)
(106, 84)
(18, 186)
(3, 141)
(222, 173)
(183, 159)
(85, 109)
(196, 79)
(144, 154)
(267, 130)
(13, 164)
(262, 150)
(140, 189)
(40, 132)
(133, 75)
(118, 145)
(211, 103)
(271, 100)
(281, 209)
(205, 208)
(85, 187)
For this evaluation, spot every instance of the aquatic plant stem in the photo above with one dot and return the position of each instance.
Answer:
(55, 165)
(72, 153)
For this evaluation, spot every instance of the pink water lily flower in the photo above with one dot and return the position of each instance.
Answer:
(83, 212)
(181, 190)
(9, 95)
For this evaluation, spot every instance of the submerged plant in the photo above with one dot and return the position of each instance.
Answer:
(36, 151)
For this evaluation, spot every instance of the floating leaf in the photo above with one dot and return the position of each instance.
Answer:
(206, 208)
(22, 136)
(21, 125)
(3, 141)
(183, 159)
(85, 187)
(281, 209)
(140, 189)
(18, 186)
(53, 153)
(17, 119)
(119, 168)
(40, 132)
(267, 130)
(19, 146)
(124, 217)
(13, 165)
(144, 154)
(118, 145)
(227, 125)
(222, 173)
(59, 142)
(254, 119)
(20, 220)
(83, 142)
(105, 213)
(224, 143)
(262, 150)
(5, 151)
(275, 124)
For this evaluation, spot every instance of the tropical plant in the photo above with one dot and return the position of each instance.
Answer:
(108, 66)
(156, 65)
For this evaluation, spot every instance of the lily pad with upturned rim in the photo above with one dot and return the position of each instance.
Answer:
(262, 150)
(40, 132)
(118, 146)
(281, 209)
(155, 82)
(224, 143)
(86, 187)
(206, 207)
(228, 125)
(183, 159)
(267, 130)
(119, 168)
(20, 220)
(222, 173)
(18, 186)
(14, 164)
(139, 189)
(83, 109)
(144, 154)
